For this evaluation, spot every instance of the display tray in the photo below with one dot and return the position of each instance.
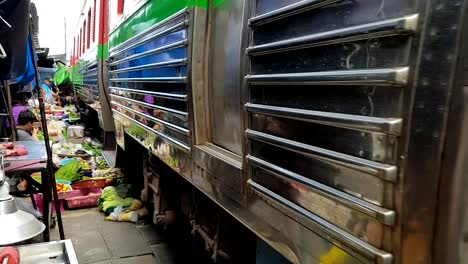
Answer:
(55, 252)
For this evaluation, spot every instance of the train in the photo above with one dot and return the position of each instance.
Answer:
(333, 131)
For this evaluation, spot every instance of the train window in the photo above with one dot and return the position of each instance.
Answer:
(83, 39)
(73, 51)
(120, 7)
(84, 36)
(88, 35)
(94, 21)
(80, 44)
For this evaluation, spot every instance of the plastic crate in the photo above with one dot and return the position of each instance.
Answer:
(88, 198)
(92, 183)
(39, 199)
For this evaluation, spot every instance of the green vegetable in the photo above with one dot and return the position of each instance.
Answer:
(72, 172)
(137, 131)
(40, 136)
(116, 201)
(65, 134)
(102, 164)
(110, 199)
(96, 150)
(73, 115)
(88, 146)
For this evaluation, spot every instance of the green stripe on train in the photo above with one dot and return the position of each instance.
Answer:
(218, 2)
(153, 12)
(103, 51)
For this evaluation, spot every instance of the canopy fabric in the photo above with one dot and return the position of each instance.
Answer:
(30, 73)
(62, 75)
(13, 38)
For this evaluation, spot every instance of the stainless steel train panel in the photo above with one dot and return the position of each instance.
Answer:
(225, 63)
(92, 89)
(89, 88)
(326, 115)
(218, 52)
(343, 117)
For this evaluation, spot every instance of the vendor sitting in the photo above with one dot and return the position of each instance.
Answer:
(25, 130)
(19, 105)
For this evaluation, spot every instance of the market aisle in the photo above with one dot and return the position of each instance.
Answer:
(101, 242)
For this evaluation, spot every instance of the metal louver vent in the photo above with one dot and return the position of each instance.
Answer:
(325, 114)
(148, 81)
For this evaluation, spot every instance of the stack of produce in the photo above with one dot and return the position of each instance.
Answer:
(63, 187)
(120, 208)
(108, 173)
(72, 171)
(92, 148)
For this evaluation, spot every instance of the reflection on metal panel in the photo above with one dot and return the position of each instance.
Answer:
(89, 89)
(392, 27)
(147, 77)
(155, 51)
(394, 77)
(383, 171)
(225, 170)
(167, 27)
(321, 225)
(153, 119)
(175, 142)
(378, 147)
(338, 16)
(181, 97)
(364, 123)
(289, 10)
(173, 63)
(383, 215)
(226, 36)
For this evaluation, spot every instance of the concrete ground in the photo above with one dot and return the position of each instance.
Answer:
(101, 242)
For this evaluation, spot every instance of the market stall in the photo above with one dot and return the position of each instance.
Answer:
(18, 70)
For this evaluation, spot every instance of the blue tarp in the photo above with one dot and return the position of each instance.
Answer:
(30, 74)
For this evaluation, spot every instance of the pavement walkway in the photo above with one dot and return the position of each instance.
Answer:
(101, 242)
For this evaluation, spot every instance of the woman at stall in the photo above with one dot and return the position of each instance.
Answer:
(47, 92)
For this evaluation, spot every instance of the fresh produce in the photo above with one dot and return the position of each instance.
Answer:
(136, 204)
(110, 199)
(137, 131)
(101, 164)
(63, 187)
(73, 115)
(40, 135)
(72, 172)
(85, 165)
(125, 188)
(108, 173)
(66, 149)
(127, 216)
(95, 149)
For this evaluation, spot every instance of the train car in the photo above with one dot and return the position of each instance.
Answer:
(88, 66)
(333, 130)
